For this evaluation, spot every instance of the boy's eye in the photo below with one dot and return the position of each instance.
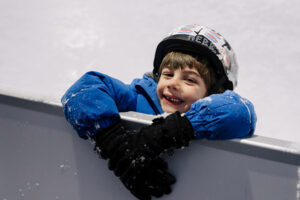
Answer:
(168, 74)
(191, 80)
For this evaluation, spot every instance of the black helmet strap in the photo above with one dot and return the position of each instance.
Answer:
(217, 86)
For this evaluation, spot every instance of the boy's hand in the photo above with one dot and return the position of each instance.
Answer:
(150, 141)
(222, 116)
(146, 177)
(136, 157)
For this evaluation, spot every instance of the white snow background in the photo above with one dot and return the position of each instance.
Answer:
(47, 45)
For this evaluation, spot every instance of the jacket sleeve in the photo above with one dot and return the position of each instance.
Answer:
(94, 102)
(222, 116)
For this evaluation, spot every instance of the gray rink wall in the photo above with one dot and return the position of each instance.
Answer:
(42, 158)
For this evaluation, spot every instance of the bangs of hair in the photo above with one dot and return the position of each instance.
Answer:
(176, 60)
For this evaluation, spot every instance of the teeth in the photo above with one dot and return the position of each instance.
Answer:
(173, 100)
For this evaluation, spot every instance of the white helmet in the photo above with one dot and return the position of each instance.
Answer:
(204, 41)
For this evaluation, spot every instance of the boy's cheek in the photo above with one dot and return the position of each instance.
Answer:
(159, 92)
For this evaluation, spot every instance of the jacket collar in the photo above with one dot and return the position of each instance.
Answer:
(148, 85)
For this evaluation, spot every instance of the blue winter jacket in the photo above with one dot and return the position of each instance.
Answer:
(95, 100)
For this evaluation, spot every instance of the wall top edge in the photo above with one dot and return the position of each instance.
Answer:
(258, 146)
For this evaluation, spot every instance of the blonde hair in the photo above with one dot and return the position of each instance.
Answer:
(176, 60)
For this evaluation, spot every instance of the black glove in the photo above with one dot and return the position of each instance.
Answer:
(108, 139)
(144, 179)
(148, 178)
(147, 144)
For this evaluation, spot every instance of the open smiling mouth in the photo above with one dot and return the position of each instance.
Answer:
(173, 100)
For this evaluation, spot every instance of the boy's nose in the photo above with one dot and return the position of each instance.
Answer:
(174, 83)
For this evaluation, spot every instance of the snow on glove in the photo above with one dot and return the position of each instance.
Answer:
(222, 116)
(150, 141)
(142, 180)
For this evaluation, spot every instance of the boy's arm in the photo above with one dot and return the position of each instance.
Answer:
(222, 116)
(92, 106)
(94, 102)
(219, 116)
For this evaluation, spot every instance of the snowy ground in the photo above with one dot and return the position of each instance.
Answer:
(47, 45)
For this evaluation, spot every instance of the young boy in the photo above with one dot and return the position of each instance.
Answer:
(196, 71)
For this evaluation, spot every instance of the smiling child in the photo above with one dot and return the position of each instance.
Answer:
(196, 71)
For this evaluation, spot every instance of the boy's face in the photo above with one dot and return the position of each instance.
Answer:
(177, 89)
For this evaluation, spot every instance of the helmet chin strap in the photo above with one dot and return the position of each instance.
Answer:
(217, 86)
